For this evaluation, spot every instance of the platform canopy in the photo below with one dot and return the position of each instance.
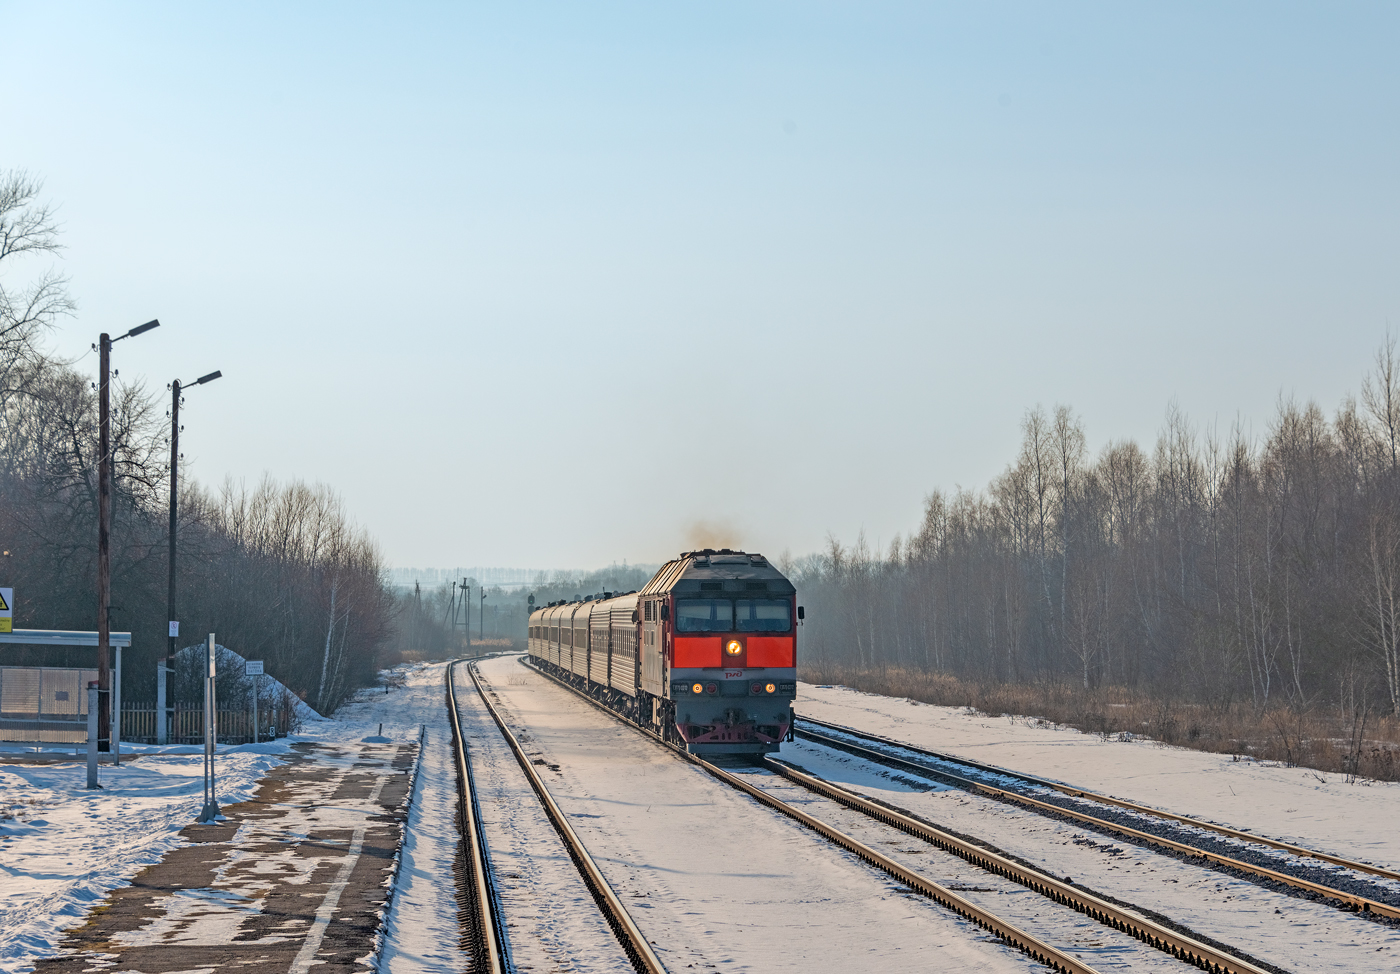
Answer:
(62, 637)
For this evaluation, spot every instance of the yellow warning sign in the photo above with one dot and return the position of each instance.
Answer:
(4, 603)
(7, 614)
(5, 625)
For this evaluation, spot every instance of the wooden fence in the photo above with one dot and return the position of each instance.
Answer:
(187, 725)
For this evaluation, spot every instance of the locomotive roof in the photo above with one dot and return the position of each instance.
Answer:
(697, 572)
(694, 573)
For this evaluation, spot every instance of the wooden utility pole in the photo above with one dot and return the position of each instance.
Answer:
(170, 616)
(104, 544)
(104, 532)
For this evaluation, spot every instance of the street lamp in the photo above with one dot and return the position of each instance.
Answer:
(176, 391)
(104, 532)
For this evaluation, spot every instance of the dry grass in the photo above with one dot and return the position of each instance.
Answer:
(1318, 739)
(442, 655)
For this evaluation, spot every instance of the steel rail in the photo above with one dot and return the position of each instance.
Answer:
(1178, 945)
(629, 935)
(1052, 957)
(1296, 850)
(487, 936)
(1360, 903)
(1154, 934)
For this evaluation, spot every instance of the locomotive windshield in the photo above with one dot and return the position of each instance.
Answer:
(762, 615)
(705, 615)
(722, 615)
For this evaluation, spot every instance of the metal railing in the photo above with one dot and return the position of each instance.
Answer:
(187, 725)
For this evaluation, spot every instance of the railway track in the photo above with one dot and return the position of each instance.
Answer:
(1172, 942)
(483, 935)
(485, 938)
(883, 751)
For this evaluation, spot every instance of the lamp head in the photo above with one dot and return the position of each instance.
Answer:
(142, 329)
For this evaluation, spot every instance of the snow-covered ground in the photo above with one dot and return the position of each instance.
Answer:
(421, 930)
(552, 920)
(62, 848)
(1310, 808)
(714, 879)
(1286, 931)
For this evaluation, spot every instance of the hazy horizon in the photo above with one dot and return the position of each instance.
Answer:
(557, 285)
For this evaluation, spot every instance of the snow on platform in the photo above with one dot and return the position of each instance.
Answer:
(293, 878)
(64, 849)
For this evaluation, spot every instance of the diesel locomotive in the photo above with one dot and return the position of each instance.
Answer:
(704, 655)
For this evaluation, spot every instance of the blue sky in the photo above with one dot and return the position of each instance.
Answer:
(551, 283)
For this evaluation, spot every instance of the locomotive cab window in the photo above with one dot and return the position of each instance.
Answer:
(762, 615)
(704, 615)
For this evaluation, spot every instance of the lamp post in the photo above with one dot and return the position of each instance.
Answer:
(104, 532)
(176, 392)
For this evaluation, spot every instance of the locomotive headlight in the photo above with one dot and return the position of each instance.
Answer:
(770, 688)
(697, 688)
(733, 647)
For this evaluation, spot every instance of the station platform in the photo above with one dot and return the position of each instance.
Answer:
(293, 880)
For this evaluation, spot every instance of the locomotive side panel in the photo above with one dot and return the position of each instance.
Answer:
(653, 648)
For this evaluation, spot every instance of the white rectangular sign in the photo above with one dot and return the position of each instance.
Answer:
(174, 628)
(253, 667)
(7, 609)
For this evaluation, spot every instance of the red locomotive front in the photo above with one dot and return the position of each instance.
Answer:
(719, 651)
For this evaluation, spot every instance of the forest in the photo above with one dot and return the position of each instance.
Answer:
(278, 571)
(1242, 585)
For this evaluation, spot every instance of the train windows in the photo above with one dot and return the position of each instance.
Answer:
(704, 615)
(762, 615)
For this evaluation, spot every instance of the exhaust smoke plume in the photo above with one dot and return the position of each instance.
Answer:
(711, 534)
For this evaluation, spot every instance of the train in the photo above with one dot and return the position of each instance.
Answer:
(704, 655)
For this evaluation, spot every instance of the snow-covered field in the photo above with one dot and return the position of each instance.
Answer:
(1310, 808)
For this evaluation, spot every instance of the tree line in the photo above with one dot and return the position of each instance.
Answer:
(1216, 569)
(278, 571)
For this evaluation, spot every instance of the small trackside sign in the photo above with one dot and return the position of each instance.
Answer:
(252, 667)
(7, 609)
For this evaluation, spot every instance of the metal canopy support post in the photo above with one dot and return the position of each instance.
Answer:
(162, 696)
(116, 729)
(92, 693)
(210, 812)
